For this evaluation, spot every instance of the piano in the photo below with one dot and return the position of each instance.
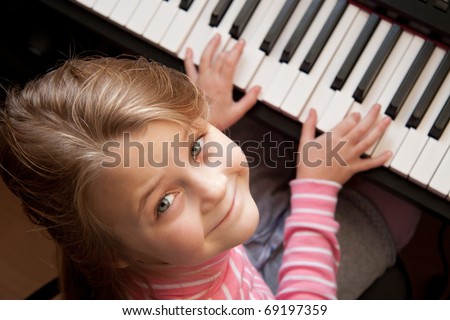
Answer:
(336, 56)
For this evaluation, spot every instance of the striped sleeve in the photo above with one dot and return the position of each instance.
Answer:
(311, 256)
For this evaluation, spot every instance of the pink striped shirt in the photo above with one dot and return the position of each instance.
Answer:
(308, 270)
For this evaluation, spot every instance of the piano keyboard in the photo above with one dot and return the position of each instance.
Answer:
(335, 56)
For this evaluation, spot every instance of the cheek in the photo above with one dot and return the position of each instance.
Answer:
(179, 244)
(237, 159)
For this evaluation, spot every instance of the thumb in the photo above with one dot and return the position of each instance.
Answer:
(239, 108)
(248, 100)
(309, 128)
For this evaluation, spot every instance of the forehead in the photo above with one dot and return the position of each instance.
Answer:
(156, 141)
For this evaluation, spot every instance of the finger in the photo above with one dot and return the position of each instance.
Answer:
(189, 66)
(240, 108)
(248, 100)
(309, 128)
(363, 127)
(371, 163)
(347, 124)
(232, 59)
(365, 143)
(209, 53)
(219, 62)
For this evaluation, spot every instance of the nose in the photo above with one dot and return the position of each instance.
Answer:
(210, 186)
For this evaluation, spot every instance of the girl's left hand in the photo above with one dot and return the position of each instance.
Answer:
(215, 77)
(336, 155)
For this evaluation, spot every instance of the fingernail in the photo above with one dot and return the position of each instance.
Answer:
(356, 115)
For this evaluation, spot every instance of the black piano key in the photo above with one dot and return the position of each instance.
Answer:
(410, 79)
(442, 5)
(185, 4)
(377, 63)
(429, 93)
(219, 11)
(243, 17)
(323, 36)
(355, 52)
(441, 122)
(278, 25)
(300, 30)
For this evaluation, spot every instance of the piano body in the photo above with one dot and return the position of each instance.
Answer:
(334, 55)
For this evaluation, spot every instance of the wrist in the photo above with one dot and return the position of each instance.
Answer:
(333, 175)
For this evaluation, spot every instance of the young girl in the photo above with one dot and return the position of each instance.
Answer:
(124, 164)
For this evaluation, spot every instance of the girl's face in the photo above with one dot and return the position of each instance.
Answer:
(176, 198)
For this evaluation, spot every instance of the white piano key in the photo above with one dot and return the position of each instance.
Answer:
(429, 159)
(230, 15)
(383, 79)
(336, 38)
(401, 69)
(225, 25)
(87, 3)
(392, 138)
(409, 150)
(323, 93)
(161, 21)
(270, 64)
(384, 75)
(199, 44)
(123, 11)
(398, 130)
(260, 22)
(343, 100)
(104, 7)
(288, 73)
(142, 16)
(434, 150)
(181, 26)
(200, 31)
(440, 183)
(390, 141)
(290, 104)
(254, 34)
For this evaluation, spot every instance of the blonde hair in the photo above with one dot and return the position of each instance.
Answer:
(52, 133)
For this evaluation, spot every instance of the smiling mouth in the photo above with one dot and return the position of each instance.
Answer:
(228, 212)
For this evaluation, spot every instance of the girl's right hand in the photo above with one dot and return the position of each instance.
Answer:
(336, 155)
(215, 77)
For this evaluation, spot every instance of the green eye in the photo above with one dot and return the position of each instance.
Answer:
(165, 203)
(196, 148)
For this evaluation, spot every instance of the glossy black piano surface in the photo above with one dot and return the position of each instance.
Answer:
(68, 25)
